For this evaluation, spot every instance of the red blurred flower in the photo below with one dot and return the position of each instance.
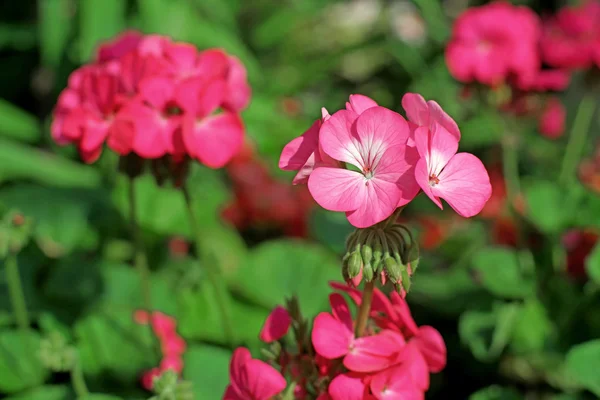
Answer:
(579, 244)
(552, 119)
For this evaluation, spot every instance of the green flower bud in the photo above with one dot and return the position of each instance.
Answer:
(354, 264)
(368, 272)
(367, 254)
(377, 252)
(406, 280)
(392, 269)
(377, 266)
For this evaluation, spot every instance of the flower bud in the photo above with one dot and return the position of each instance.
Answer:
(354, 264)
(368, 272)
(377, 252)
(392, 268)
(406, 280)
(367, 254)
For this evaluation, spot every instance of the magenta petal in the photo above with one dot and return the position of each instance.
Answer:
(276, 326)
(416, 109)
(330, 337)
(264, 381)
(183, 55)
(397, 165)
(436, 145)
(338, 189)
(415, 365)
(340, 310)
(237, 370)
(379, 200)
(214, 140)
(431, 344)
(405, 318)
(440, 116)
(231, 394)
(156, 91)
(359, 103)
(337, 140)
(346, 387)
(422, 178)
(238, 89)
(464, 184)
(296, 153)
(355, 294)
(374, 353)
(395, 383)
(200, 96)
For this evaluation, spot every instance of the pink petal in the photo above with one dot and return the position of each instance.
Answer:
(431, 344)
(213, 140)
(416, 109)
(121, 136)
(340, 310)
(359, 103)
(415, 365)
(422, 178)
(238, 89)
(183, 55)
(395, 383)
(276, 326)
(337, 189)
(330, 337)
(355, 294)
(296, 153)
(173, 345)
(437, 145)
(438, 115)
(464, 184)
(172, 362)
(398, 165)
(337, 140)
(148, 378)
(237, 368)
(379, 198)
(200, 96)
(325, 114)
(231, 394)
(379, 129)
(212, 64)
(264, 381)
(152, 131)
(347, 387)
(374, 353)
(402, 310)
(157, 91)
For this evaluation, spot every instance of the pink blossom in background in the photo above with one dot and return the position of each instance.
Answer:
(571, 37)
(154, 97)
(553, 118)
(276, 326)
(252, 379)
(491, 42)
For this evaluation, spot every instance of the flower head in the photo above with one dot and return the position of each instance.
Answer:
(252, 379)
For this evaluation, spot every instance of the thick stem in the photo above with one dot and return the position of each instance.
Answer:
(15, 288)
(577, 138)
(141, 261)
(365, 308)
(78, 381)
(213, 272)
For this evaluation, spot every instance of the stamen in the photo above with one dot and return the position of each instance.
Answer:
(433, 180)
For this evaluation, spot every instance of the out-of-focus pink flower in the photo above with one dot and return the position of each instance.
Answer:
(348, 386)
(460, 179)
(148, 378)
(238, 89)
(374, 142)
(174, 363)
(276, 326)
(544, 80)
(252, 379)
(553, 118)
(118, 47)
(395, 383)
(493, 41)
(571, 38)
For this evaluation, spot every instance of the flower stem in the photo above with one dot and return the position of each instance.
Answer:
(15, 288)
(141, 261)
(78, 381)
(365, 308)
(213, 272)
(577, 138)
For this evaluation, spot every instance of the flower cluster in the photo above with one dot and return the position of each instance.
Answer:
(153, 97)
(172, 345)
(393, 359)
(367, 160)
(262, 202)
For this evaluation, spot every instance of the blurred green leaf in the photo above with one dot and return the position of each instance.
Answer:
(19, 37)
(499, 271)
(100, 396)
(496, 392)
(20, 367)
(54, 29)
(18, 124)
(435, 83)
(330, 228)
(532, 328)
(583, 364)
(73, 279)
(279, 269)
(100, 20)
(207, 367)
(23, 162)
(438, 25)
(545, 206)
(592, 264)
(484, 129)
(47, 392)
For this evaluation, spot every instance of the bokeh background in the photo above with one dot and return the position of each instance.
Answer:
(513, 292)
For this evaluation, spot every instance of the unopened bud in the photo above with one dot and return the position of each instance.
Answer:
(367, 254)
(368, 272)
(392, 268)
(354, 264)
(406, 280)
(377, 252)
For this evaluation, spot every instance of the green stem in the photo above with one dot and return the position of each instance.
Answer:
(15, 288)
(141, 261)
(213, 272)
(365, 308)
(577, 138)
(78, 381)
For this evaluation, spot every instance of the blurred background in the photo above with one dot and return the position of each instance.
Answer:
(512, 291)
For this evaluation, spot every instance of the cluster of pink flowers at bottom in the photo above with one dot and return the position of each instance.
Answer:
(153, 97)
(391, 160)
(393, 360)
(172, 345)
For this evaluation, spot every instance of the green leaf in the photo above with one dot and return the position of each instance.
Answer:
(20, 367)
(583, 364)
(110, 341)
(488, 333)
(23, 162)
(207, 367)
(496, 392)
(545, 206)
(592, 264)
(279, 269)
(499, 271)
(532, 328)
(100, 20)
(18, 124)
(54, 28)
(47, 392)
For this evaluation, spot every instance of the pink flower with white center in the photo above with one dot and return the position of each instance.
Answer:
(276, 326)
(373, 142)
(252, 379)
(460, 179)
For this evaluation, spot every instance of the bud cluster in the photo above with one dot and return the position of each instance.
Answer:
(168, 386)
(56, 353)
(381, 252)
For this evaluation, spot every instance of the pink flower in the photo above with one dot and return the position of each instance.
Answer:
(374, 142)
(492, 41)
(544, 80)
(148, 378)
(425, 113)
(252, 379)
(174, 363)
(395, 383)
(238, 89)
(276, 326)
(552, 120)
(460, 179)
(119, 47)
(571, 38)
(348, 386)
(333, 337)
